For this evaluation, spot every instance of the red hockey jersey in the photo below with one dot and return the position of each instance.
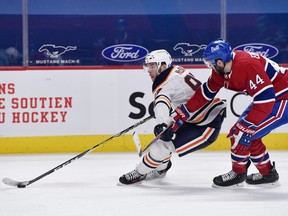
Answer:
(258, 76)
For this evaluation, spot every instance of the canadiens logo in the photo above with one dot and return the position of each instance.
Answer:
(266, 50)
(54, 51)
(124, 52)
(214, 49)
(189, 49)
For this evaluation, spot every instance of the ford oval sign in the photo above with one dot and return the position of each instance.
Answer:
(260, 48)
(124, 52)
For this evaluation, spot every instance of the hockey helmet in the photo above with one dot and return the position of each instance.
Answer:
(218, 49)
(158, 57)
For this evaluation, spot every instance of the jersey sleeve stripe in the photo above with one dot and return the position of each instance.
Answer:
(263, 89)
(164, 100)
(271, 72)
(207, 93)
(280, 93)
(264, 101)
(266, 94)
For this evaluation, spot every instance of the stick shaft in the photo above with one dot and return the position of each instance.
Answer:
(154, 140)
(87, 151)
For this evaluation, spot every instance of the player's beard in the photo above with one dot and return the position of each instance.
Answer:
(220, 70)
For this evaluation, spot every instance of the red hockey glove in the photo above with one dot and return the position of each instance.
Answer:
(181, 115)
(241, 135)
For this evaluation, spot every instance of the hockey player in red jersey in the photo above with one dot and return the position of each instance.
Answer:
(260, 78)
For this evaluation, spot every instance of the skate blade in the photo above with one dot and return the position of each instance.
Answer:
(239, 185)
(121, 184)
(154, 176)
(266, 185)
(129, 185)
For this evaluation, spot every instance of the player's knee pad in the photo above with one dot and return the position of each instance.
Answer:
(157, 157)
(257, 147)
(260, 157)
(161, 150)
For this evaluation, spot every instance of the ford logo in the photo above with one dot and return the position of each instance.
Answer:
(124, 52)
(262, 49)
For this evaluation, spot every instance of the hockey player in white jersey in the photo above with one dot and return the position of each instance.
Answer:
(173, 86)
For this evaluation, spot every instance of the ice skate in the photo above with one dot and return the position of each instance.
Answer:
(257, 178)
(132, 177)
(156, 174)
(231, 179)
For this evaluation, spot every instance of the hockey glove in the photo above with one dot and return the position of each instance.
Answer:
(181, 115)
(241, 135)
(168, 135)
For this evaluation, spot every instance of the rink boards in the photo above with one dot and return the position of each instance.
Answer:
(71, 110)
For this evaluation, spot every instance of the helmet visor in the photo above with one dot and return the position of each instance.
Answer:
(209, 64)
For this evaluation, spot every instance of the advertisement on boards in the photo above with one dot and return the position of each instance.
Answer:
(87, 102)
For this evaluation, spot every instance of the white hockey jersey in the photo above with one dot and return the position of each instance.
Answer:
(176, 86)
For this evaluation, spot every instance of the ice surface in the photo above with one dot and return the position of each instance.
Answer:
(88, 187)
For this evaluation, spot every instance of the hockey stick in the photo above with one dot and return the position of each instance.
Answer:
(23, 184)
(138, 145)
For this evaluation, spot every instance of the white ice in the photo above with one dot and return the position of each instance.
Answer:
(88, 186)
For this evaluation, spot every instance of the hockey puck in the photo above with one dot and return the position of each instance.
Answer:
(21, 186)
